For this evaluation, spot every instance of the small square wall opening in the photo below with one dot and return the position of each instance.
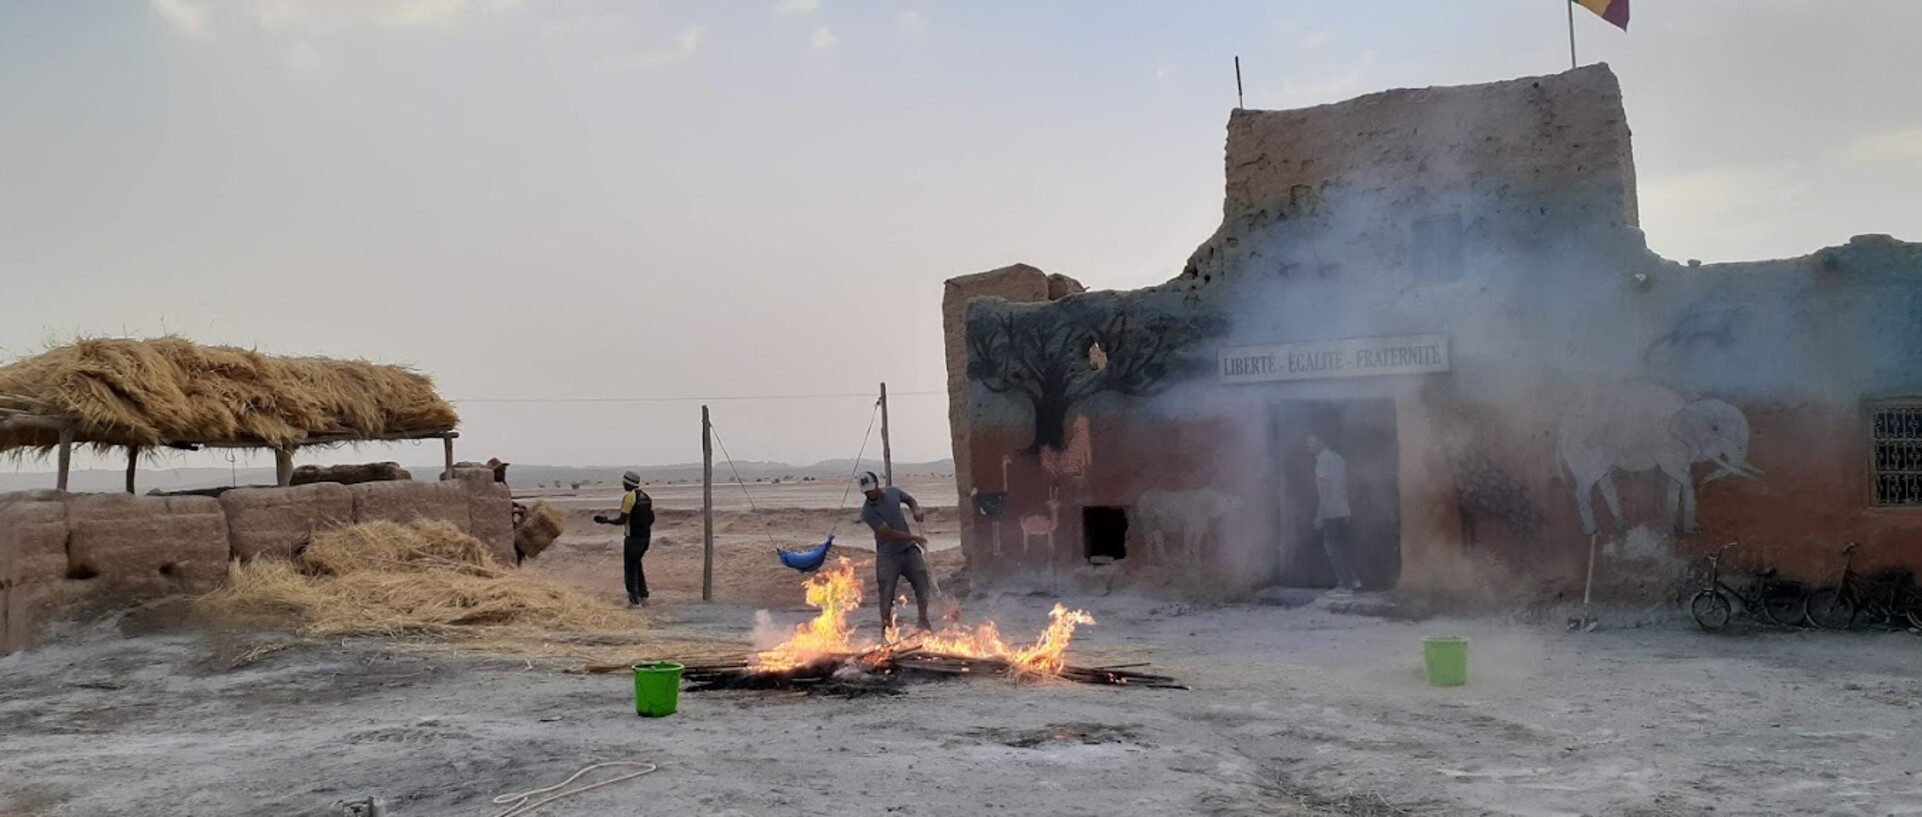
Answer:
(1105, 533)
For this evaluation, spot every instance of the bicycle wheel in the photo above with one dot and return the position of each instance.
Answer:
(1785, 610)
(1710, 609)
(1830, 610)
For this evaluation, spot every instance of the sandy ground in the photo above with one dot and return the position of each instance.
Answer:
(1296, 711)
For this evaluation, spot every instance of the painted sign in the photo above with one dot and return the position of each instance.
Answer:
(1351, 357)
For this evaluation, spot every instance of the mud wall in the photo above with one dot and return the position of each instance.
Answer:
(1582, 384)
(65, 555)
(1018, 283)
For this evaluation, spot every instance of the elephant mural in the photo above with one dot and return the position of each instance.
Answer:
(1639, 425)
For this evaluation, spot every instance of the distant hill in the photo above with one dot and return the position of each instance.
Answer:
(184, 478)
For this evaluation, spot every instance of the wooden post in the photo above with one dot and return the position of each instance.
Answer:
(707, 506)
(1571, 36)
(283, 467)
(447, 446)
(887, 448)
(66, 458)
(133, 459)
(1239, 102)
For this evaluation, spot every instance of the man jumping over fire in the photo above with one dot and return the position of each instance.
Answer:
(898, 551)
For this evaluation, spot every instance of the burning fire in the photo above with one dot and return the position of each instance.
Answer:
(836, 592)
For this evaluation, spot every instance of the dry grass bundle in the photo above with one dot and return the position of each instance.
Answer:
(392, 579)
(542, 525)
(129, 392)
(393, 547)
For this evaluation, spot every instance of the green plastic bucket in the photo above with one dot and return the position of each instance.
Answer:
(1447, 659)
(657, 689)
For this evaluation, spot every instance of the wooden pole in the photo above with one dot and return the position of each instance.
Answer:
(447, 446)
(283, 467)
(133, 459)
(1239, 103)
(707, 506)
(887, 449)
(66, 458)
(1571, 35)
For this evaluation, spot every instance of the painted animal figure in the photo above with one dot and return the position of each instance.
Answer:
(1187, 514)
(1638, 426)
(1040, 525)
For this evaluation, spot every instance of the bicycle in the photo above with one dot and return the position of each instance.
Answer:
(1886, 602)
(1778, 603)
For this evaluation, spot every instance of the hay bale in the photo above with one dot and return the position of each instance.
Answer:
(421, 577)
(394, 546)
(351, 474)
(130, 392)
(408, 501)
(137, 548)
(33, 537)
(539, 529)
(275, 522)
(490, 512)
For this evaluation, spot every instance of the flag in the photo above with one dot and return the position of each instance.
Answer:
(1614, 11)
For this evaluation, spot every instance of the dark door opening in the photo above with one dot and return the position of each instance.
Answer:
(1104, 532)
(1362, 433)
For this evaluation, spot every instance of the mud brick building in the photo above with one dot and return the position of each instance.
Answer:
(1448, 285)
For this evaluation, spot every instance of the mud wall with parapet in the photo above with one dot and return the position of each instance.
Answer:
(1781, 399)
(1019, 283)
(70, 555)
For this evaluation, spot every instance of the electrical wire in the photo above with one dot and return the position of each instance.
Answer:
(723, 399)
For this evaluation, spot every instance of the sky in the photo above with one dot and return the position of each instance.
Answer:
(556, 207)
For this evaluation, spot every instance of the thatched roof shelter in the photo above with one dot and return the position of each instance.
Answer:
(171, 392)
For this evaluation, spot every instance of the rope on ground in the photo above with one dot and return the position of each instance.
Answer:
(865, 436)
(520, 800)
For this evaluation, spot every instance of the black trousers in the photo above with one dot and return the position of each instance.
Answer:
(632, 549)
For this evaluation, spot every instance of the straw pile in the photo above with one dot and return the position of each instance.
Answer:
(420, 577)
(127, 392)
(542, 525)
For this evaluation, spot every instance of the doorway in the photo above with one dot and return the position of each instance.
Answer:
(1105, 534)
(1362, 432)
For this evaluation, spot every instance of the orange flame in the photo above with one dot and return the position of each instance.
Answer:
(836, 592)
(1046, 657)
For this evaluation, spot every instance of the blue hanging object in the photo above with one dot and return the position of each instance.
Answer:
(806, 560)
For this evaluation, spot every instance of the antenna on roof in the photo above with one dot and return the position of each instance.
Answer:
(1238, 101)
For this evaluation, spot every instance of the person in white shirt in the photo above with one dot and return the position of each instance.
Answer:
(1332, 512)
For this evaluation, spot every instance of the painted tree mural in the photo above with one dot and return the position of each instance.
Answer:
(1057, 354)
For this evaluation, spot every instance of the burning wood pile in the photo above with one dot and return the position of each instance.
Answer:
(826, 656)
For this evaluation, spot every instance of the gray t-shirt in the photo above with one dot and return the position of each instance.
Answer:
(1331, 479)
(887, 509)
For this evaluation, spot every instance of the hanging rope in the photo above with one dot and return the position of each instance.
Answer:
(865, 436)
(768, 531)
(765, 530)
(520, 799)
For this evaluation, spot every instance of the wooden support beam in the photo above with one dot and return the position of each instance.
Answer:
(283, 467)
(707, 507)
(447, 445)
(133, 461)
(66, 458)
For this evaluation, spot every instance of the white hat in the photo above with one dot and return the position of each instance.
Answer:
(869, 481)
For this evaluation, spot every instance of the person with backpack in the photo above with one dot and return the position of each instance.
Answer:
(637, 519)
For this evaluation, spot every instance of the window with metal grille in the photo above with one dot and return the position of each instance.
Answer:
(1897, 442)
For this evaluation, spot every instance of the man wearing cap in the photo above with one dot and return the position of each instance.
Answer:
(637, 517)
(898, 552)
